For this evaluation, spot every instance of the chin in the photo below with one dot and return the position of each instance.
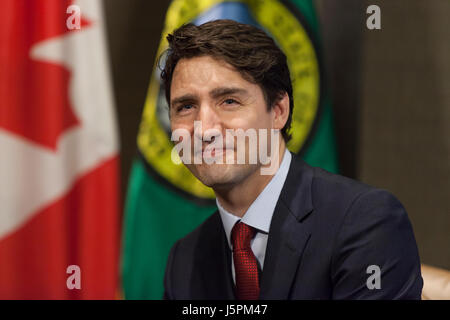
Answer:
(220, 175)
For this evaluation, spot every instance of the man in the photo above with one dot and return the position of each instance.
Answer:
(298, 233)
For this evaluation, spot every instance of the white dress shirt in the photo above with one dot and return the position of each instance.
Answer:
(259, 214)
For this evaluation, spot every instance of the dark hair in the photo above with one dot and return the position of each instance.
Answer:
(248, 49)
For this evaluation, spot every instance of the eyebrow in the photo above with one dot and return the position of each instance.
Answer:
(215, 93)
(183, 98)
(223, 91)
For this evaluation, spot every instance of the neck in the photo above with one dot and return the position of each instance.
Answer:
(238, 198)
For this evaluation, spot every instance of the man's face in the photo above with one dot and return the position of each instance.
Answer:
(213, 92)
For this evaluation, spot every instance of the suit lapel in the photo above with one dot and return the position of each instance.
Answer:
(289, 233)
(213, 261)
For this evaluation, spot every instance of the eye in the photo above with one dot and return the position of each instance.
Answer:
(230, 101)
(184, 107)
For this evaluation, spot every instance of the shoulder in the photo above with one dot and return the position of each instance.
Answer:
(183, 263)
(336, 186)
(352, 195)
(204, 233)
(338, 200)
(330, 189)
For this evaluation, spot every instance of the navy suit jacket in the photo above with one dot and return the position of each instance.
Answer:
(325, 232)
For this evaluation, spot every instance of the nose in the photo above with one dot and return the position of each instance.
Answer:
(210, 123)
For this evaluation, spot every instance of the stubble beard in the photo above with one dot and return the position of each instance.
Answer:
(222, 176)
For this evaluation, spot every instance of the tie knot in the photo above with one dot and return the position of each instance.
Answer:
(241, 236)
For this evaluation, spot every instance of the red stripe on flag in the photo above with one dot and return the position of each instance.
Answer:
(81, 228)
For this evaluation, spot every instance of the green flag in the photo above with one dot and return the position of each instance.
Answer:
(165, 201)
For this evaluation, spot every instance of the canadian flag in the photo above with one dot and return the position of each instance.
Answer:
(59, 199)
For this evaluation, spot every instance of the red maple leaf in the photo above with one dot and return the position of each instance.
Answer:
(34, 97)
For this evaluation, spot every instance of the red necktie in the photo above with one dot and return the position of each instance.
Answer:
(245, 264)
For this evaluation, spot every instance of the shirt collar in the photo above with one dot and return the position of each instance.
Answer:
(259, 214)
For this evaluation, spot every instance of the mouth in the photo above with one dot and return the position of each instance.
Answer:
(213, 152)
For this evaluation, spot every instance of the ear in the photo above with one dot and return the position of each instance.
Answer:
(281, 112)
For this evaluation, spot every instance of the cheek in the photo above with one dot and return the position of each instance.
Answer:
(184, 125)
(181, 129)
(254, 118)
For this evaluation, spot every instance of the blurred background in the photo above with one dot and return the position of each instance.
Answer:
(390, 100)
